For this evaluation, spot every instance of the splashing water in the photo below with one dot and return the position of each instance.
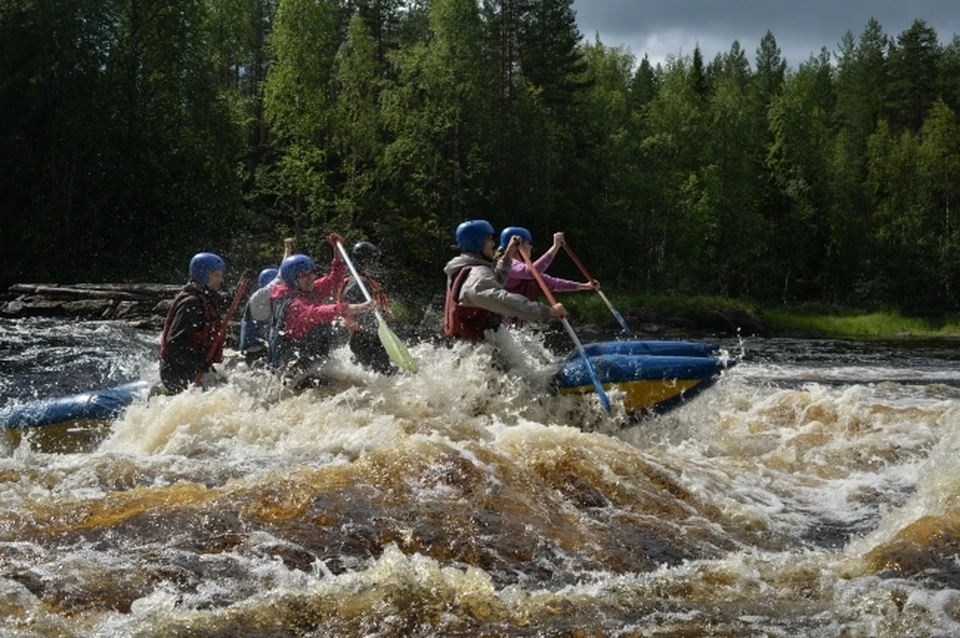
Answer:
(812, 491)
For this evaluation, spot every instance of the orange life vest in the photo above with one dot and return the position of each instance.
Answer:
(528, 288)
(459, 321)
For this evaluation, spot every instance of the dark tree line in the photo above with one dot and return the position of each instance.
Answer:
(136, 133)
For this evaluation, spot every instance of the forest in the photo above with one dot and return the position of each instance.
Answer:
(136, 133)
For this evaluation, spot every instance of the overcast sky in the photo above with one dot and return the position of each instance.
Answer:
(661, 28)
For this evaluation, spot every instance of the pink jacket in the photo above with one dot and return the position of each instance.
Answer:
(519, 273)
(308, 310)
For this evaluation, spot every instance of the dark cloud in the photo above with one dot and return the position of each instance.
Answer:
(673, 27)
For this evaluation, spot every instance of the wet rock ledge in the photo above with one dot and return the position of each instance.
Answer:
(144, 305)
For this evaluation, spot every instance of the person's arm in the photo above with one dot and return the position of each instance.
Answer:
(504, 267)
(518, 273)
(546, 258)
(521, 272)
(543, 262)
(556, 284)
(303, 316)
(329, 284)
(481, 290)
(556, 246)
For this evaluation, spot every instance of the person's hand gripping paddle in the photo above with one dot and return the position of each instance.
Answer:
(222, 331)
(391, 342)
(583, 269)
(604, 399)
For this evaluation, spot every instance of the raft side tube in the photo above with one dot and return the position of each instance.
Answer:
(658, 348)
(97, 405)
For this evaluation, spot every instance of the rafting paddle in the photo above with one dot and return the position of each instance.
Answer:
(222, 332)
(573, 335)
(391, 342)
(583, 269)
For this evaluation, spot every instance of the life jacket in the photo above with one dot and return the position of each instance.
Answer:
(282, 351)
(462, 322)
(252, 333)
(378, 295)
(528, 288)
(201, 339)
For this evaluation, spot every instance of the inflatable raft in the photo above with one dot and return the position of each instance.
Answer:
(97, 405)
(648, 383)
(652, 376)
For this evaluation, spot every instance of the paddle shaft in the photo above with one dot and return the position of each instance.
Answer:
(573, 335)
(391, 343)
(356, 277)
(583, 269)
(224, 325)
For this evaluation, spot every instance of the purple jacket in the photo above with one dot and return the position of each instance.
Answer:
(519, 274)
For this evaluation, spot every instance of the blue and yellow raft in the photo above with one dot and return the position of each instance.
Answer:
(651, 376)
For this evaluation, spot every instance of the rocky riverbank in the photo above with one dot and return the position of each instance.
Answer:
(145, 305)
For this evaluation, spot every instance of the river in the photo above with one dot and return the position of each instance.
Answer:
(812, 491)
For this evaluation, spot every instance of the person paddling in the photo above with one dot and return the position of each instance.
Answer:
(522, 281)
(255, 324)
(300, 328)
(476, 299)
(191, 324)
(364, 341)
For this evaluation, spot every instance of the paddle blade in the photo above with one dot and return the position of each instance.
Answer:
(604, 399)
(395, 349)
(588, 366)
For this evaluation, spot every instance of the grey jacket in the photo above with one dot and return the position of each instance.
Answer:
(260, 307)
(483, 288)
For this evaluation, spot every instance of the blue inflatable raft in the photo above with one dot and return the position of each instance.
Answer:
(658, 348)
(652, 376)
(97, 405)
(648, 383)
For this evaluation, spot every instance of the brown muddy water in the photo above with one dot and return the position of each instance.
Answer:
(814, 490)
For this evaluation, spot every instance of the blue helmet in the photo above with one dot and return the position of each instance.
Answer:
(510, 231)
(294, 266)
(267, 275)
(203, 264)
(471, 234)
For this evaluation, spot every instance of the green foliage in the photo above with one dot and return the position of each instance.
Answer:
(119, 143)
(855, 324)
(137, 133)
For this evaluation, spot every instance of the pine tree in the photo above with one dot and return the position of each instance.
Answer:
(913, 76)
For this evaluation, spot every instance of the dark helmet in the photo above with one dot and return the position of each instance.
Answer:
(267, 275)
(203, 264)
(510, 231)
(365, 254)
(471, 234)
(294, 266)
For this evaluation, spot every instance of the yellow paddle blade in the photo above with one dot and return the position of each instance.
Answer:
(395, 348)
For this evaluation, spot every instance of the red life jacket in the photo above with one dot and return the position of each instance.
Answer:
(200, 340)
(379, 297)
(528, 288)
(459, 321)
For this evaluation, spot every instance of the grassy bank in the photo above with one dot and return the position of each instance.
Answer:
(820, 320)
(864, 325)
